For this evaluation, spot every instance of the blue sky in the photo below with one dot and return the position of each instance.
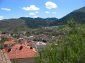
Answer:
(38, 8)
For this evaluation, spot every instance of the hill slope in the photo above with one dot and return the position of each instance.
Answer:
(23, 23)
(77, 15)
(11, 24)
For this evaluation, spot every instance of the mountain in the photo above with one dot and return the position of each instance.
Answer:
(39, 22)
(10, 24)
(23, 23)
(77, 15)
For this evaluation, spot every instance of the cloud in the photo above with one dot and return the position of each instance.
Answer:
(47, 12)
(1, 17)
(31, 8)
(35, 16)
(50, 5)
(6, 9)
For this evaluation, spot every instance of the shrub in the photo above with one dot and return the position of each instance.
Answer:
(70, 48)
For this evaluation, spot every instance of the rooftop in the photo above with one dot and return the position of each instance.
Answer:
(21, 51)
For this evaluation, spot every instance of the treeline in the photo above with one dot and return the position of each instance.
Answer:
(40, 22)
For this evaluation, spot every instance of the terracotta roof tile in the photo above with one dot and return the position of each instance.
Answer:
(25, 52)
(9, 42)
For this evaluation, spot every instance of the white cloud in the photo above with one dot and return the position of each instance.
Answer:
(31, 8)
(26, 16)
(47, 12)
(1, 17)
(35, 16)
(50, 5)
(6, 9)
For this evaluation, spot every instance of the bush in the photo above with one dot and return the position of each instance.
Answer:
(70, 48)
(3, 39)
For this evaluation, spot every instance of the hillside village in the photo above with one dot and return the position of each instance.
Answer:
(42, 31)
(22, 47)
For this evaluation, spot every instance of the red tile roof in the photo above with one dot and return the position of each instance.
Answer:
(25, 52)
(10, 41)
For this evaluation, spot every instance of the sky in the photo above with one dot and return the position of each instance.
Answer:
(38, 8)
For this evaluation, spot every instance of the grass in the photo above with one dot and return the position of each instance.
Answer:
(70, 48)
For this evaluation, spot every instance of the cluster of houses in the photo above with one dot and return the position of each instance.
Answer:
(21, 48)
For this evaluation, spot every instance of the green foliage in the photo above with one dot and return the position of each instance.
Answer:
(70, 48)
(3, 39)
(1, 47)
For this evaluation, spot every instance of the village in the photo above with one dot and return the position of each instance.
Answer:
(42, 31)
(23, 48)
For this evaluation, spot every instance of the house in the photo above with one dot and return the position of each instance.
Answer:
(21, 51)
(10, 41)
(40, 45)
